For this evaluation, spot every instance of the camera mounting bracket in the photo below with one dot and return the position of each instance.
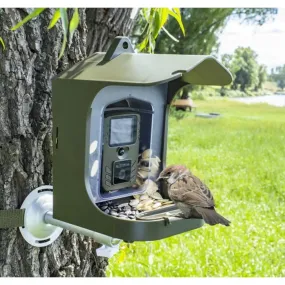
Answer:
(41, 229)
(35, 231)
(119, 45)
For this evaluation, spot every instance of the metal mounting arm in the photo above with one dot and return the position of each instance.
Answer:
(41, 229)
(100, 238)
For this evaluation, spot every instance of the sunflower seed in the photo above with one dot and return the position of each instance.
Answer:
(156, 205)
(128, 212)
(147, 153)
(123, 205)
(134, 202)
(104, 208)
(107, 211)
(147, 208)
(156, 196)
(144, 197)
(113, 213)
(132, 217)
(150, 187)
(143, 173)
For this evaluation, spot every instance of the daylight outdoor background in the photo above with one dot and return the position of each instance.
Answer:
(239, 154)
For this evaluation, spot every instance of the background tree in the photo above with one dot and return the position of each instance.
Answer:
(244, 68)
(247, 73)
(262, 76)
(278, 75)
(30, 60)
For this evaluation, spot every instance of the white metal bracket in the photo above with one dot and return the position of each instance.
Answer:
(41, 229)
(35, 231)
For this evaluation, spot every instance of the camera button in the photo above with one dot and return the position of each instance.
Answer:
(133, 178)
(108, 170)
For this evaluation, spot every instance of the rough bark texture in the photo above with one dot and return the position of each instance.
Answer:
(26, 68)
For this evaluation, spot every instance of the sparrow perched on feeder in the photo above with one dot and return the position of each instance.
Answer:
(191, 196)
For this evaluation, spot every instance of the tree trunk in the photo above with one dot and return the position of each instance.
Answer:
(26, 68)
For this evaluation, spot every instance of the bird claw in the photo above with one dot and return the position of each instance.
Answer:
(166, 221)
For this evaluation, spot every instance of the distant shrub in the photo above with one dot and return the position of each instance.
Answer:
(234, 93)
(203, 94)
(178, 114)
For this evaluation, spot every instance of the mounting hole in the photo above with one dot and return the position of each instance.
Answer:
(43, 241)
(125, 45)
(44, 190)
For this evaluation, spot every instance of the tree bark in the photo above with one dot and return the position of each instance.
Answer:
(26, 68)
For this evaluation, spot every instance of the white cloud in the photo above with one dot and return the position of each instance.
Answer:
(268, 41)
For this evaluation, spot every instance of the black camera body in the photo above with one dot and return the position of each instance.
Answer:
(120, 150)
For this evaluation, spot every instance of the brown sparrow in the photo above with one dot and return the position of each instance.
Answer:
(191, 196)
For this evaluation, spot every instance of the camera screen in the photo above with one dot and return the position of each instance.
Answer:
(123, 131)
(122, 171)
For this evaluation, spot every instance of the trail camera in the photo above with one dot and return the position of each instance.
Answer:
(110, 121)
(121, 149)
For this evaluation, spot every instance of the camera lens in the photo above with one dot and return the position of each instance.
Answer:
(122, 174)
(121, 151)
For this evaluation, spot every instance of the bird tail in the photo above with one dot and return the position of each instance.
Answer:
(211, 217)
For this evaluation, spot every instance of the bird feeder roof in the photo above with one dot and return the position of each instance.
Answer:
(130, 68)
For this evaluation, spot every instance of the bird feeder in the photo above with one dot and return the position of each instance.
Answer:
(110, 126)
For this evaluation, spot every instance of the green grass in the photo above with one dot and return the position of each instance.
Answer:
(241, 157)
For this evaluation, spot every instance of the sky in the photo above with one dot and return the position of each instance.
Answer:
(268, 40)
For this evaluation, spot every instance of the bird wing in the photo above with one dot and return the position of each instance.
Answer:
(191, 191)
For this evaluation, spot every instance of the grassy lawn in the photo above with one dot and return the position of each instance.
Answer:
(241, 157)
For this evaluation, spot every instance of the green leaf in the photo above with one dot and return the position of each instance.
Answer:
(146, 13)
(163, 16)
(64, 22)
(143, 44)
(172, 37)
(177, 16)
(63, 47)
(32, 15)
(156, 25)
(73, 23)
(151, 44)
(3, 44)
(54, 19)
